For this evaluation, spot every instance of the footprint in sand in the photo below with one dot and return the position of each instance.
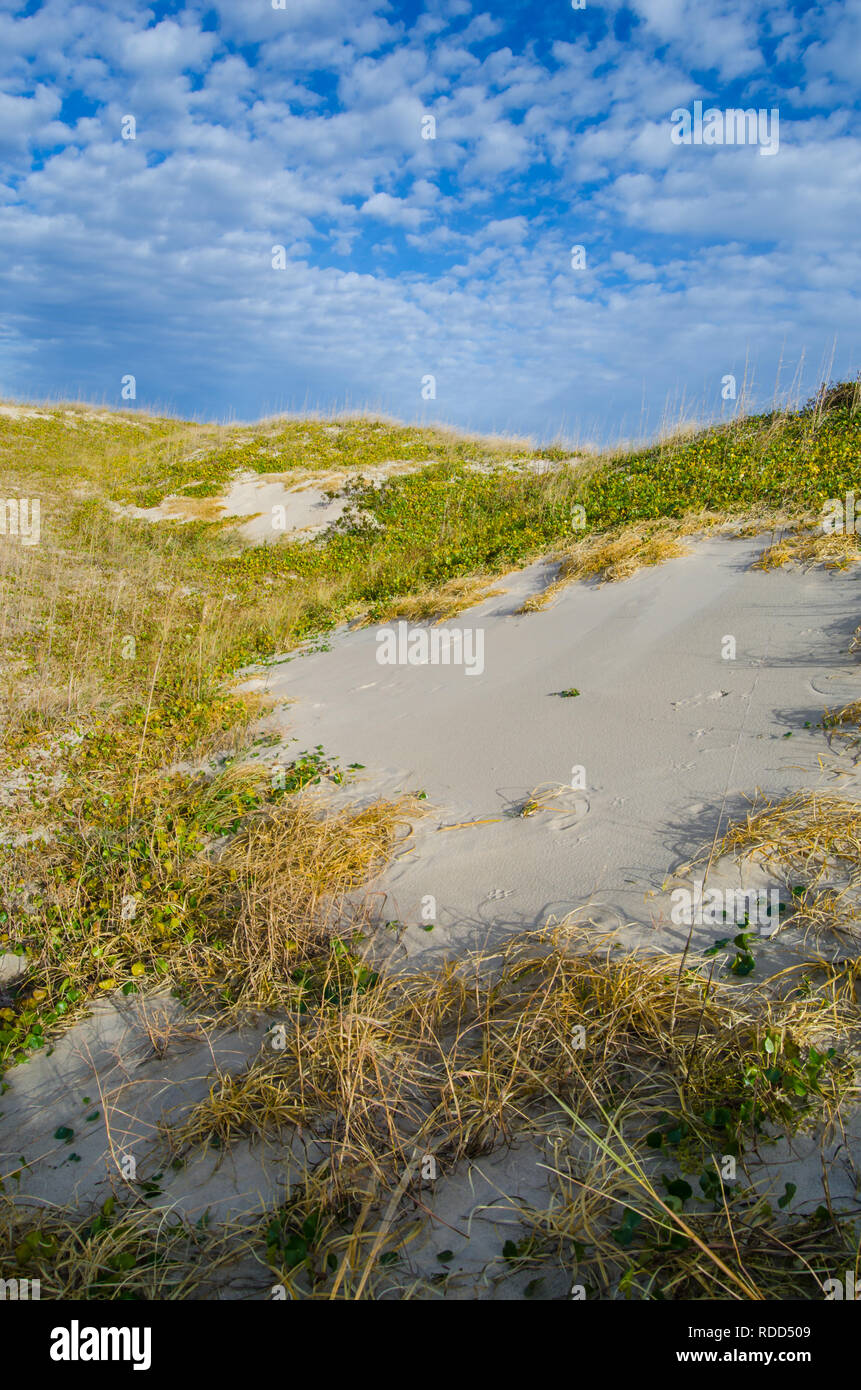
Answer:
(700, 699)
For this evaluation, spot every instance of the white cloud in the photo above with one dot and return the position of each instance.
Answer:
(396, 211)
(26, 121)
(166, 48)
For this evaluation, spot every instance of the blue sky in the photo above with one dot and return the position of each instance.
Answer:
(408, 258)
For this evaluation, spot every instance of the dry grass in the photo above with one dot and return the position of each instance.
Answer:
(812, 839)
(442, 603)
(294, 881)
(540, 798)
(231, 925)
(808, 833)
(806, 548)
(454, 1063)
(741, 1250)
(618, 557)
(844, 722)
(615, 555)
(115, 1254)
(375, 1075)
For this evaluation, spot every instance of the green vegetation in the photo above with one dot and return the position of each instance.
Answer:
(417, 531)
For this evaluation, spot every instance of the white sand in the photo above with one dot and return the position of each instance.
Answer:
(667, 731)
(306, 509)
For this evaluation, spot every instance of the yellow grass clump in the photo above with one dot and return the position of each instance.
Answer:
(442, 603)
(807, 548)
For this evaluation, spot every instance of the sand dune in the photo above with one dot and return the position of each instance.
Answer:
(664, 742)
(669, 736)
